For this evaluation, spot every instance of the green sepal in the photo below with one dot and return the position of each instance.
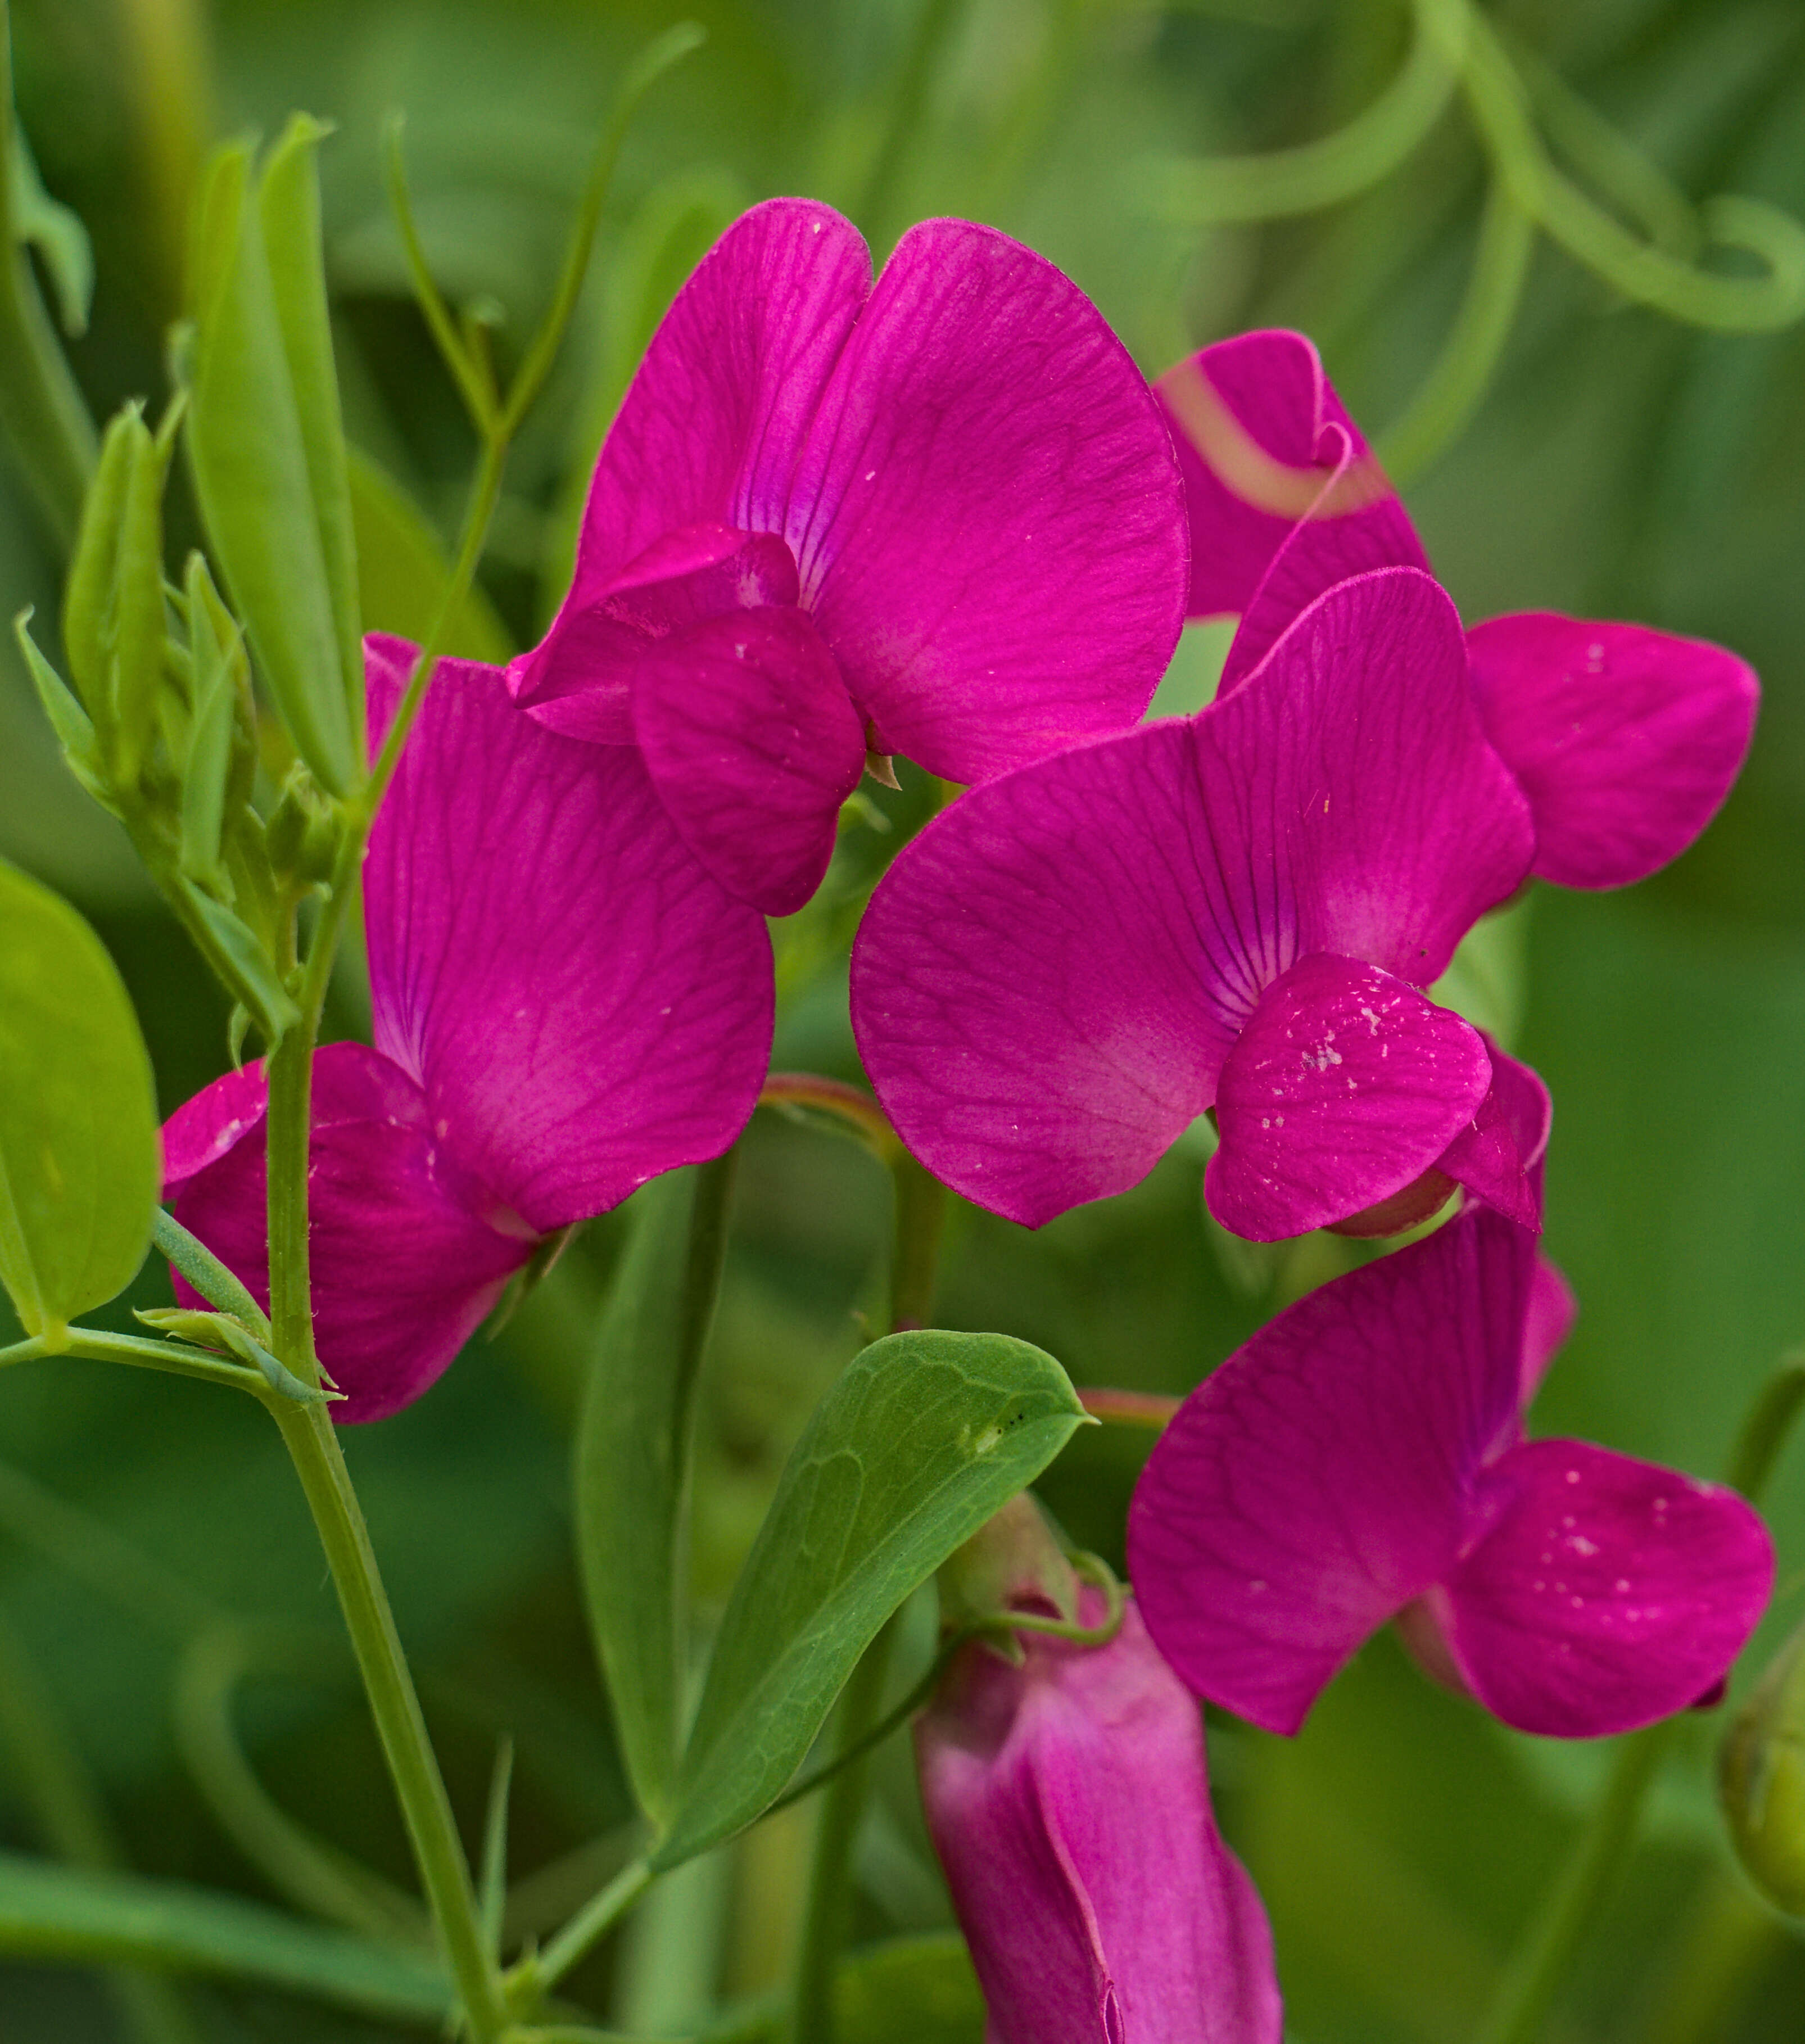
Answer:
(272, 524)
(80, 1162)
(74, 727)
(224, 1334)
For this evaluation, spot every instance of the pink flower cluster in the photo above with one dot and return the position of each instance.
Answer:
(944, 515)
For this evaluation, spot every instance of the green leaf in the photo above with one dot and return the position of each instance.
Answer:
(403, 573)
(56, 232)
(908, 1990)
(289, 206)
(58, 1913)
(276, 540)
(80, 1163)
(632, 1465)
(925, 1435)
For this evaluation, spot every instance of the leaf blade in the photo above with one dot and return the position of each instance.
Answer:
(926, 1436)
(80, 1155)
(632, 1465)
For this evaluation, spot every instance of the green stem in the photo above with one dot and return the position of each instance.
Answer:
(828, 1918)
(73, 1822)
(1767, 1429)
(1338, 166)
(309, 1871)
(920, 1217)
(1453, 388)
(1534, 1975)
(593, 1921)
(97, 1346)
(936, 26)
(43, 414)
(426, 1808)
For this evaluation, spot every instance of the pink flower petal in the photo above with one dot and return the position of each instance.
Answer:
(1049, 977)
(404, 1267)
(711, 426)
(752, 744)
(579, 683)
(1606, 1593)
(1553, 1310)
(584, 1006)
(1498, 1156)
(989, 517)
(1040, 1000)
(1284, 496)
(1069, 1805)
(202, 1130)
(1322, 1478)
(1399, 823)
(1625, 740)
(1344, 1087)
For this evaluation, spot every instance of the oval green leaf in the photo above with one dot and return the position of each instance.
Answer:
(80, 1160)
(925, 1436)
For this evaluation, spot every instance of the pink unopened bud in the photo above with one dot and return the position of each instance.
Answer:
(1069, 1802)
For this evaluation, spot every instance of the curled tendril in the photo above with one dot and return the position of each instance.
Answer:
(1659, 261)
(1212, 190)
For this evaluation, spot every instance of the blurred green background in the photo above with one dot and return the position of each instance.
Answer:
(1620, 465)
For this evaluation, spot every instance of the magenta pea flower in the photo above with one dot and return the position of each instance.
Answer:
(1233, 912)
(939, 515)
(564, 1006)
(1363, 1458)
(1069, 1802)
(1625, 740)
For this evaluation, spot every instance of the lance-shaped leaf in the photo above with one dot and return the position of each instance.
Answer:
(266, 446)
(924, 1437)
(80, 1159)
(633, 1440)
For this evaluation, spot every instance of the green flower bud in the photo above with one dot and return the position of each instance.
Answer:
(1761, 1779)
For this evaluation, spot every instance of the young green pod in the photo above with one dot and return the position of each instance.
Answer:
(266, 447)
(216, 647)
(1761, 1779)
(113, 610)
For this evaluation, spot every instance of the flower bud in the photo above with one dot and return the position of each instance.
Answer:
(1068, 1799)
(1761, 1779)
